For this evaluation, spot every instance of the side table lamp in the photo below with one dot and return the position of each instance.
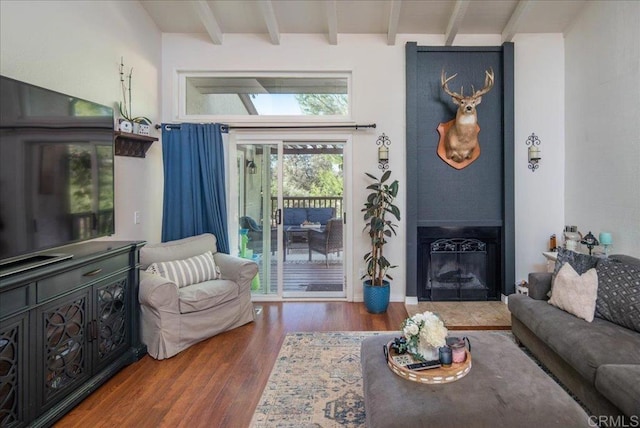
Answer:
(590, 241)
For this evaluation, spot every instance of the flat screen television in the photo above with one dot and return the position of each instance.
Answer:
(56, 170)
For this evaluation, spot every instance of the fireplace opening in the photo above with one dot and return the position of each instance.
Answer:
(458, 270)
(459, 264)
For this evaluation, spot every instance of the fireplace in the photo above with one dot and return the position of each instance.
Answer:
(459, 263)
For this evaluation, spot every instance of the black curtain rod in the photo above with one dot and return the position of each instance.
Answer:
(226, 128)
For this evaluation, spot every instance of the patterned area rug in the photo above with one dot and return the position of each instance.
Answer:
(316, 382)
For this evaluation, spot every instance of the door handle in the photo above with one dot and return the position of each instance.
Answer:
(278, 216)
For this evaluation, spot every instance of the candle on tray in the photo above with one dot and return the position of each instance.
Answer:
(445, 356)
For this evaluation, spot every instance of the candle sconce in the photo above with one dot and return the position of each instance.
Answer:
(383, 152)
(533, 152)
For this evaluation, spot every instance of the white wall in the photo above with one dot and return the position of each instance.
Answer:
(75, 48)
(539, 109)
(602, 171)
(379, 97)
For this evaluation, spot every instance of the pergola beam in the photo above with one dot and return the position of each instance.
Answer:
(209, 21)
(459, 10)
(270, 19)
(394, 18)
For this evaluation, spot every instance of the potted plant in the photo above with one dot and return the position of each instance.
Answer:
(379, 204)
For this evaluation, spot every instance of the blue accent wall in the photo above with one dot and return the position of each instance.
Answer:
(482, 193)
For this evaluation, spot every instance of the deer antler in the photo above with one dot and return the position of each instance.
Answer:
(444, 80)
(488, 84)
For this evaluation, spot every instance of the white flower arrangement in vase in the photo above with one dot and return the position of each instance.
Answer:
(425, 333)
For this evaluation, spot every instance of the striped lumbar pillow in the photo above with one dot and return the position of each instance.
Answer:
(188, 271)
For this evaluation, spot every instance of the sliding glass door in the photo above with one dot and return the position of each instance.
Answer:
(290, 206)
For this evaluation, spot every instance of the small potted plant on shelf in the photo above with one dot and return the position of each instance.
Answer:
(129, 123)
(379, 204)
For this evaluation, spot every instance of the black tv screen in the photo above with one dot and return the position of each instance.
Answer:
(56, 169)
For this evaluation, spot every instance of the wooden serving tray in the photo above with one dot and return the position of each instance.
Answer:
(430, 376)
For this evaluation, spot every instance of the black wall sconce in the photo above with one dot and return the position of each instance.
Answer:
(251, 167)
(533, 152)
(383, 144)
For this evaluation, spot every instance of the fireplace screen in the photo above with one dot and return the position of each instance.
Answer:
(457, 270)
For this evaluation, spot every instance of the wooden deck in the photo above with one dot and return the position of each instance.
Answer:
(299, 273)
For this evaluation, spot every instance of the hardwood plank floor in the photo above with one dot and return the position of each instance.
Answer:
(217, 382)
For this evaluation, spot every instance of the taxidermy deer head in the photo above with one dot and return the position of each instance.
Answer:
(462, 137)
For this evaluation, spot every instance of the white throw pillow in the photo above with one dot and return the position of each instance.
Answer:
(188, 271)
(575, 293)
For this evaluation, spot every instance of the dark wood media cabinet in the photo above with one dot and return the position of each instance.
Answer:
(65, 328)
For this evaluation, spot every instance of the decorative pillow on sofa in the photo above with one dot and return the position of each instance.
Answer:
(575, 293)
(188, 271)
(619, 294)
(578, 261)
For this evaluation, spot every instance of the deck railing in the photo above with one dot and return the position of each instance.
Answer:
(334, 202)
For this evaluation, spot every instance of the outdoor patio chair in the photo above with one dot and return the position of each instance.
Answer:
(255, 234)
(328, 241)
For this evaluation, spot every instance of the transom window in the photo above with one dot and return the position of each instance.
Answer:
(324, 95)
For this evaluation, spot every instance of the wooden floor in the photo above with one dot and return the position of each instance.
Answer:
(218, 382)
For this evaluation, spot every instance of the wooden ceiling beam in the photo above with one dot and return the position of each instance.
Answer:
(332, 21)
(459, 11)
(209, 21)
(516, 19)
(394, 19)
(270, 19)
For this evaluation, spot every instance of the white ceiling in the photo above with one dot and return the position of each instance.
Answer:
(272, 18)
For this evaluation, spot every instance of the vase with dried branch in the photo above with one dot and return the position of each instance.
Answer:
(127, 121)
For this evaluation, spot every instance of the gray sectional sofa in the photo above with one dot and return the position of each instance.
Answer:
(598, 361)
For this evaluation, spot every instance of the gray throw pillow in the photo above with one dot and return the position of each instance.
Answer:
(578, 261)
(619, 293)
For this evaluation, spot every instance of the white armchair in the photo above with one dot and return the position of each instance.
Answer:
(174, 318)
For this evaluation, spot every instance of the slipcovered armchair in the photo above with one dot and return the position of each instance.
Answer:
(328, 241)
(178, 308)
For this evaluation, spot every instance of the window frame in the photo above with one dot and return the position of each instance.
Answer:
(182, 76)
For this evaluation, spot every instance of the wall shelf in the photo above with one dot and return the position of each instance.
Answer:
(135, 145)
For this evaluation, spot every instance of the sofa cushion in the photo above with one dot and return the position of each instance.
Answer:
(579, 262)
(620, 383)
(205, 295)
(188, 271)
(574, 293)
(319, 215)
(619, 293)
(295, 216)
(177, 250)
(585, 346)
